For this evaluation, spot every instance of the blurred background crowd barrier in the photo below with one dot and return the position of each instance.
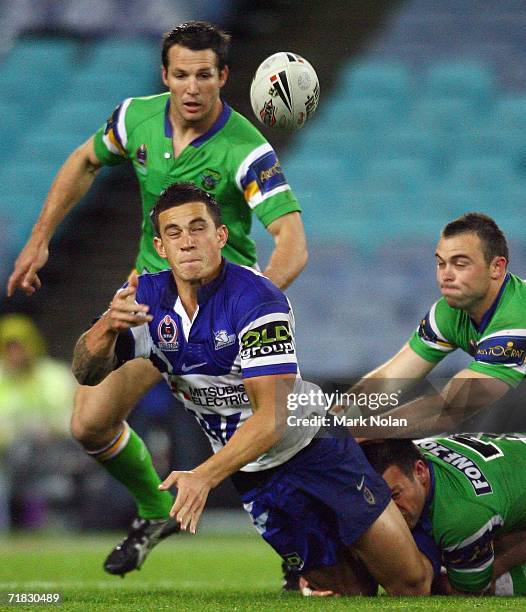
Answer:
(422, 118)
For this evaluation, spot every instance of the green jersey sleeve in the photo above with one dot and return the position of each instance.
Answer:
(468, 552)
(502, 355)
(264, 186)
(428, 340)
(111, 139)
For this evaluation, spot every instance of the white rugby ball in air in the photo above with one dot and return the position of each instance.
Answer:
(285, 91)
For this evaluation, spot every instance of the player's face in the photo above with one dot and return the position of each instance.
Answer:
(191, 242)
(463, 274)
(409, 494)
(195, 82)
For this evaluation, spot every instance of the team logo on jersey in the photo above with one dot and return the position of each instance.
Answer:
(268, 114)
(210, 179)
(141, 155)
(222, 338)
(167, 331)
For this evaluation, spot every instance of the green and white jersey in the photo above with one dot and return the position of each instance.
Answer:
(498, 344)
(232, 161)
(478, 490)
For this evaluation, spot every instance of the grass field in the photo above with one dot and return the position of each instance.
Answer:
(204, 572)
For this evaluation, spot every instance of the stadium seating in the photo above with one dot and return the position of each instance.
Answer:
(69, 89)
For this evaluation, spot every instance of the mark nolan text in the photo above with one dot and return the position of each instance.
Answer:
(345, 421)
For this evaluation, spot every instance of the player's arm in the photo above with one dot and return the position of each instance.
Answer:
(463, 396)
(94, 356)
(400, 371)
(290, 255)
(72, 182)
(260, 432)
(510, 550)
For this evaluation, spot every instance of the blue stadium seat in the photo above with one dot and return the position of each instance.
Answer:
(47, 145)
(409, 141)
(493, 140)
(80, 118)
(451, 116)
(376, 79)
(491, 173)
(125, 56)
(449, 200)
(509, 113)
(109, 87)
(51, 58)
(463, 80)
(401, 175)
(371, 115)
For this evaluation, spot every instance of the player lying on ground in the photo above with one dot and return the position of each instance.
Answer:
(468, 493)
(210, 324)
(186, 134)
(482, 311)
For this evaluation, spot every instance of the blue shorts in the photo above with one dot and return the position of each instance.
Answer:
(318, 503)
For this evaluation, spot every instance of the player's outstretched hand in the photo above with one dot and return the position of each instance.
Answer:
(24, 276)
(124, 312)
(192, 493)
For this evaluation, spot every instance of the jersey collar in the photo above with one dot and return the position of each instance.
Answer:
(170, 295)
(219, 124)
(491, 310)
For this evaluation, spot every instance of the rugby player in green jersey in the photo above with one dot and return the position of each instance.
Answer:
(469, 493)
(187, 134)
(482, 311)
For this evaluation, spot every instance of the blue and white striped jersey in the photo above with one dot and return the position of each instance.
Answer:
(243, 327)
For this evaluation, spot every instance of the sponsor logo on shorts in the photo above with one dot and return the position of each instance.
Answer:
(167, 331)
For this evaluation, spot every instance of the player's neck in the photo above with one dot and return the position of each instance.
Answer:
(188, 291)
(479, 309)
(184, 132)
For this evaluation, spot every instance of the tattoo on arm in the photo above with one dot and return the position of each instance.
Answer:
(90, 369)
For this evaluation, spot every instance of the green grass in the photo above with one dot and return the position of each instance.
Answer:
(204, 573)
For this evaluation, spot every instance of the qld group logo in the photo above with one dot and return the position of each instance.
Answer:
(167, 331)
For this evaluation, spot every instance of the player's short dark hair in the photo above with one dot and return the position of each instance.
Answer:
(402, 453)
(490, 235)
(197, 36)
(184, 193)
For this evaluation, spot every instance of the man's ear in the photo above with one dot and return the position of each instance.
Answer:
(222, 234)
(421, 471)
(159, 247)
(498, 267)
(223, 76)
(164, 75)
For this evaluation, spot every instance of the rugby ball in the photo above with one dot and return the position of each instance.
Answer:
(285, 91)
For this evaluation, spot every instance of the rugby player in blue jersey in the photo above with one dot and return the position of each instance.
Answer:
(222, 336)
